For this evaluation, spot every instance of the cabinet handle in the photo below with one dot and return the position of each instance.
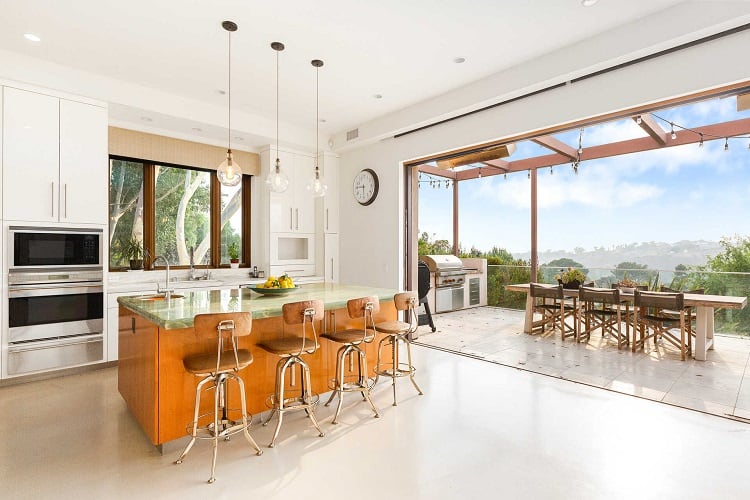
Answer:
(132, 324)
(326, 219)
(53, 198)
(291, 219)
(297, 224)
(65, 192)
(331, 268)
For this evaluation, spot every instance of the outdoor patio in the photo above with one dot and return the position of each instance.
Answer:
(719, 386)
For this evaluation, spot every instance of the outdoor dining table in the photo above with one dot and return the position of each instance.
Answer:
(704, 313)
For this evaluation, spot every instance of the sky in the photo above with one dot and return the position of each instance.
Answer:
(668, 195)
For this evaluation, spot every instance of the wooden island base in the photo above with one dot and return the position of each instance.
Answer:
(161, 394)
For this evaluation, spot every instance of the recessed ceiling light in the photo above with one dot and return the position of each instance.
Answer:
(588, 3)
(459, 60)
(378, 96)
(146, 119)
(196, 129)
(32, 37)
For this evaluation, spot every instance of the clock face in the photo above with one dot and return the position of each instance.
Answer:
(365, 187)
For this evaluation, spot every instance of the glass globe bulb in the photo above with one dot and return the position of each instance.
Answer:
(229, 172)
(317, 186)
(277, 181)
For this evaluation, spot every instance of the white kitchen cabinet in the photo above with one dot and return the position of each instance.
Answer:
(331, 251)
(281, 205)
(31, 156)
(54, 159)
(84, 179)
(304, 170)
(328, 205)
(292, 211)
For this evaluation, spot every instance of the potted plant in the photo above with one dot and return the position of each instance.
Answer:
(572, 278)
(626, 285)
(133, 250)
(234, 255)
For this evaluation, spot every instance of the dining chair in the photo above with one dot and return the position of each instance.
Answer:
(689, 310)
(549, 301)
(651, 322)
(599, 309)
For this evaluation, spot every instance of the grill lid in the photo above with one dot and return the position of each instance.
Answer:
(442, 263)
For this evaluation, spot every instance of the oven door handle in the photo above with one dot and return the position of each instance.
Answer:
(38, 346)
(41, 291)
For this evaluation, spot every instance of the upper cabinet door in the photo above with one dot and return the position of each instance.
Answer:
(304, 203)
(281, 205)
(84, 164)
(30, 156)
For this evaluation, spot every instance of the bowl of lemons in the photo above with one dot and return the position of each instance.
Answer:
(275, 286)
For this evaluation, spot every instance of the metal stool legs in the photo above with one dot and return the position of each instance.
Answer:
(221, 426)
(339, 384)
(306, 400)
(396, 369)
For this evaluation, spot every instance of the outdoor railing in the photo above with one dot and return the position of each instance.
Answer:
(728, 321)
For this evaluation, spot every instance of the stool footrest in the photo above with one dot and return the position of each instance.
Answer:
(402, 370)
(227, 427)
(353, 386)
(293, 403)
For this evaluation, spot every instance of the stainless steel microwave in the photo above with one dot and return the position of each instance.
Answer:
(44, 247)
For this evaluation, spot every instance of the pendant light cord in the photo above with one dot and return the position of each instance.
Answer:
(277, 111)
(317, 120)
(229, 96)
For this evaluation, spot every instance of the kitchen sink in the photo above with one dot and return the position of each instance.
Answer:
(160, 297)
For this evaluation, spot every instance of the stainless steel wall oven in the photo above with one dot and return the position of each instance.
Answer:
(55, 299)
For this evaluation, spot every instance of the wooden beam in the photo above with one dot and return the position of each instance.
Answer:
(652, 128)
(501, 164)
(556, 145)
(534, 253)
(429, 169)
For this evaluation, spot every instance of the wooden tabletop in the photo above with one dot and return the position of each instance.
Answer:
(691, 299)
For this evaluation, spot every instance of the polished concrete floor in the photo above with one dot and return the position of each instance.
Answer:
(481, 430)
(720, 385)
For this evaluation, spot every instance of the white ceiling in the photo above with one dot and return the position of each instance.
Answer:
(403, 50)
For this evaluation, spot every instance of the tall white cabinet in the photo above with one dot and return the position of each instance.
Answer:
(54, 160)
(327, 227)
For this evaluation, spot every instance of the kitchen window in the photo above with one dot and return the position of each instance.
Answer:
(171, 208)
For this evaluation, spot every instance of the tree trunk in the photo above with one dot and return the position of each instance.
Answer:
(183, 257)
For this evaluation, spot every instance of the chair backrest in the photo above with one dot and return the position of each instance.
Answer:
(659, 300)
(408, 301)
(599, 295)
(304, 312)
(365, 308)
(546, 291)
(423, 279)
(221, 325)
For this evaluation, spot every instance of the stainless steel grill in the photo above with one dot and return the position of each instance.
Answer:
(450, 276)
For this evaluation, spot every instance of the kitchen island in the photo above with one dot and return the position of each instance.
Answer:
(155, 335)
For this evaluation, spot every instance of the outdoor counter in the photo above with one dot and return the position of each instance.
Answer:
(155, 336)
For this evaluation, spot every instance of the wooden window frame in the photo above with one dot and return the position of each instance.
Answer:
(149, 221)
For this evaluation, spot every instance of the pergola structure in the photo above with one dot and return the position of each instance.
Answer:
(561, 153)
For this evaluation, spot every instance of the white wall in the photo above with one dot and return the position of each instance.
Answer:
(372, 237)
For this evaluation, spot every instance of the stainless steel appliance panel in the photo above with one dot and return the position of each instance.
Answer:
(449, 299)
(48, 355)
(41, 247)
(474, 291)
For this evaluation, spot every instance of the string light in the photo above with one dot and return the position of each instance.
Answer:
(638, 120)
(480, 173)
(551, 171)
(726, 144)
(528, 176)
(700, 144)
(673, 133)
(703, 136)
(505, 175)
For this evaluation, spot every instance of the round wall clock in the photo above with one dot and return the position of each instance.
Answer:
(366, 187)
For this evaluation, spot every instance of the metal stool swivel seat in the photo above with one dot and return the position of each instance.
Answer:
(396, 334)
(351, 340)
(290, 351)
(216, 370)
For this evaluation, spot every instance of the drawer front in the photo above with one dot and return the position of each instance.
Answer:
(293, 270)
(56, 354)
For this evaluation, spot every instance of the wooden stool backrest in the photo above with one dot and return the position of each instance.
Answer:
(217, 325)
(405, 300)
(294, 312)
(365, 308)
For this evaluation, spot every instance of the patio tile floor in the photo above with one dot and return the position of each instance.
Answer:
(719, 385)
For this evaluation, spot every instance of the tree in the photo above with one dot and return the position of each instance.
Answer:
(632, 270)
(437, 247)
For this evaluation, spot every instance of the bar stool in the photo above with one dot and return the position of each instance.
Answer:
(397, 333)
(290, 351)
(216, 370)
(350, 341)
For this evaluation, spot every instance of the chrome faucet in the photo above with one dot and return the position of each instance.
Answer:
(166, 290)
(191, 274)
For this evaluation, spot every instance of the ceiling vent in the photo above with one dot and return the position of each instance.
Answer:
(352, 134)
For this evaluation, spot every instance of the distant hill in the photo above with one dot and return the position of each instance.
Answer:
(656, 255)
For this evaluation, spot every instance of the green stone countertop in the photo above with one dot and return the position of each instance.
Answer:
(179, 312)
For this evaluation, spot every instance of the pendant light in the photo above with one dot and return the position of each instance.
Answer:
(277, 181)
(229, 172)
(317, 185)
